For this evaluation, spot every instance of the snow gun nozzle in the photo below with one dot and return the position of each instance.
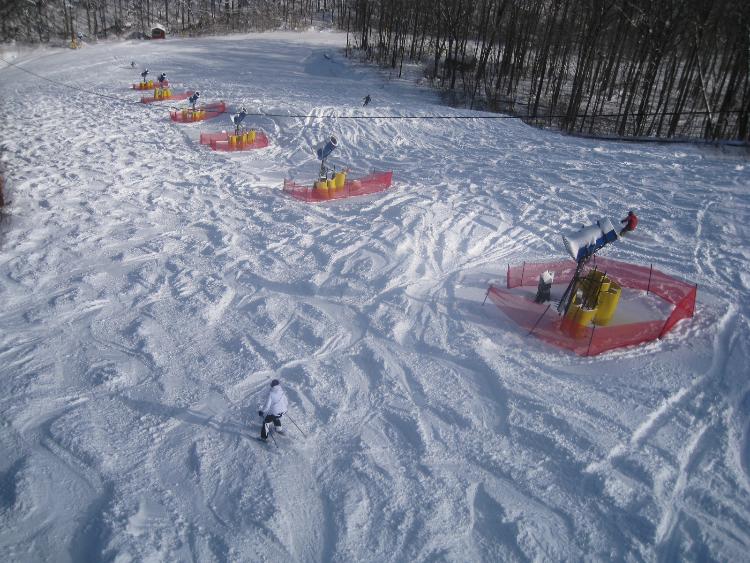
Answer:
(584, 243)
(325, 148)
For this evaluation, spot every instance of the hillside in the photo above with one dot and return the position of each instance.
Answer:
(152, 288)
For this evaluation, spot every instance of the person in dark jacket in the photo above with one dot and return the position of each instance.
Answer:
(237, 120)
(366, 99)
(631, 221)
(194, 99)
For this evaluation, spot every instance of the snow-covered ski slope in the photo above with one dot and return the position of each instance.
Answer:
(151, 289)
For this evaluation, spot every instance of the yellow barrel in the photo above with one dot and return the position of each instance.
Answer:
(251, 136)
(573, 311)
(590, 285)
(573, 324)
(580, 315)
(608, 302)
(233, 139)
(586, 316)
(331, 184)
(340, 180)
(321, 187)
(596, 275)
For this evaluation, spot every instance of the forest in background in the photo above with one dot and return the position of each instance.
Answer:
(623, 68)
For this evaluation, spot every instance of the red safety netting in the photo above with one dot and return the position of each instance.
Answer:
(220, 142)
(544, 322)
(174, 96)
(150, 85)
(201, 113)
(375, 182)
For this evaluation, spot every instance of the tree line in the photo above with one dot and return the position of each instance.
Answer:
(48, 21)
(635, 68)
(629, 68)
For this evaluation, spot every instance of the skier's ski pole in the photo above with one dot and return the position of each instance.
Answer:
(298, 428)
(485, 296)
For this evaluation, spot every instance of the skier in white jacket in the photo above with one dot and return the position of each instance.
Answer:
(276, 406)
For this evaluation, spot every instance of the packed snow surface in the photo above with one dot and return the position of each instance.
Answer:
(152, 288)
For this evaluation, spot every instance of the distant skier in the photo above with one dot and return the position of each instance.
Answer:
(367, 100)
(276, 406)
(144, 74)
(194, 99)
(237, 120)
(631, 222)
(132, 64)
(162, 78)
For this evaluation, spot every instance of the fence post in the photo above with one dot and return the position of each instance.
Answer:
(539, 319)
(523, 270)
(695, 299)
(649, 279)
(588, 350)
(507, 277)
(485, 295)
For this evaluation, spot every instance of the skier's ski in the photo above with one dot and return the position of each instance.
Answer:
(255, 439)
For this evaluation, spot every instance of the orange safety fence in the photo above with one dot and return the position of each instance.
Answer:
(375, 182)
(220, 141)
(150, 85)
(544, 322)
(200, 113)
(172, 97)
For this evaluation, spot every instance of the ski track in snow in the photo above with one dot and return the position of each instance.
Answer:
(152, 288)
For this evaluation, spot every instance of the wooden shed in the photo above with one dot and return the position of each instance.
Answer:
(158, 32)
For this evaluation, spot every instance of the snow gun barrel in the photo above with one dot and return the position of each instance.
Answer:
(581, 246)
(585, 242)
(326, 148)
